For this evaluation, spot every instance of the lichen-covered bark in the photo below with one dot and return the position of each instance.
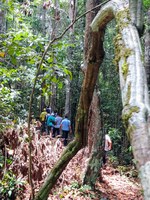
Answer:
(136, 110)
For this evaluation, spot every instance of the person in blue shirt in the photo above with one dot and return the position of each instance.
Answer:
(56, 129)
(50, 124)
(66, 128)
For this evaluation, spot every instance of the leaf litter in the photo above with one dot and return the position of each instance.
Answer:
(45, 152)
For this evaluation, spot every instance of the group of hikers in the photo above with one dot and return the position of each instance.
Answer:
(51, 123)
(54, 125)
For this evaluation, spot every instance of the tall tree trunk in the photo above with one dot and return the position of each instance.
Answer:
(53, 87)
(52, 99)
(136, 13)
(94, 126)
(72, 16)
(136, 110)
(42, 15)
(72, 12)
(67, 100)
(2, 19)
(43, 99)
(147, 49)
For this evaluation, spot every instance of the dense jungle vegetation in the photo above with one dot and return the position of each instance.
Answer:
(41, 57)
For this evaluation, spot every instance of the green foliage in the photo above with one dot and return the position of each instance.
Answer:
(84, 188)
(127, 156)
(116, 137)
(23, 43)
(78, 190)
(24, 51)
(10, 186)
(121, 154)
(18, 71)
(146, 4)
(75, 185)
(1, 161)
(109, 83)
(111, 104)
(113, 160)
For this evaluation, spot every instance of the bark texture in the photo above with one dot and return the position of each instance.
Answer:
(67, 99)
(55, 27)
(2, 19)
(136, 111)
(136, 13)
(94, 119)
(94, 142)
(92, 62)
(147, 49)
(72, 16)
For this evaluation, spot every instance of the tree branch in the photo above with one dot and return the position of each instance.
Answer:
(4, 61)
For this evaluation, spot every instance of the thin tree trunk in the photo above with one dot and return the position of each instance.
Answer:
(94, 126)
(72, 16)
(2, 19)
(53, 88)
(68, 94)
(147, 49)
(52, 99)
(42, 103)
(42, 15)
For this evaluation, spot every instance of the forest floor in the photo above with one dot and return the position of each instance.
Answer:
(113, 187)
(116, 184)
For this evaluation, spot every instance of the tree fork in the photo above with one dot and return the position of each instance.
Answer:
(33, 89)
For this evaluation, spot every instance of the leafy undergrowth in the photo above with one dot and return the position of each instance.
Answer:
(45, 152)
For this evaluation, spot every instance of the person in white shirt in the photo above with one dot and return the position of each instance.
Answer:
(107, 147)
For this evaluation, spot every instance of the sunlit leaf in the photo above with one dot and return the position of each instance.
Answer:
(50, 59)
(9, 193)
(2, 54)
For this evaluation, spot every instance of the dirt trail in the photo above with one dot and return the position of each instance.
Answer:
(119, 187)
